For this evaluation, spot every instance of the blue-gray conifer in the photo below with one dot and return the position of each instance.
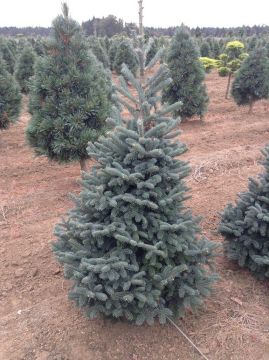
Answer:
(245, 225)
(131, 248)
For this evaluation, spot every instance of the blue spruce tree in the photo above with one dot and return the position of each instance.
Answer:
(245, 225)
(130, 247)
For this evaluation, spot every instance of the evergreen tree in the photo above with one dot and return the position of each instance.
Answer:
(221, 45)
(25, 69)
(130, 246)
(70, 98)
(188, 75)
(252, 43)
(39, 46)
(154, 47)
(245, 226)
(126, 55)
(7, 56)
(215, 49)
(10, 97)
(99, 51)
(106, 45)
(230, 61)
(12, 45)
(252, 79)
(113, 51)
(205, 50)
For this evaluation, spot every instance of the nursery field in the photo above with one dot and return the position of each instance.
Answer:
(38, 322)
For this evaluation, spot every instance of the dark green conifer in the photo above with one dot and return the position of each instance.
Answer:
(25, 69)
(70, 97)
(10, 97)
(126, 55)
(205, 50)
(99, 51)
(252, 79)
(154, 47)
(39, 46)
(188, 74)
(7, 55)
(113, 51)
(252, 43)
(245, 225)
(131, 248)
(216, 50)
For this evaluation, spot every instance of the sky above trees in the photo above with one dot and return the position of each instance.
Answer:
(157, 13)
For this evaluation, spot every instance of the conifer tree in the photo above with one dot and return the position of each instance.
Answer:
(252, 80)
(152, 51)
(131, 248)
(245, 225)
(10, 97)
(113, 51)
(7, 55)
(205, 50)
(99, 51)
(188, 75)
(230, 61)
(252, 43)
(12, 45)
(215, 49)
(70, 99)
(126, 55)
(39, 46)
(25, 69)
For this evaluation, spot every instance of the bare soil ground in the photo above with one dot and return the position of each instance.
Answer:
(38, 322)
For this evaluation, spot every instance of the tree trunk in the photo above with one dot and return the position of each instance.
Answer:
(141, 33)
(250, 110)
(83, 164)
(95, 27)
(228, 87)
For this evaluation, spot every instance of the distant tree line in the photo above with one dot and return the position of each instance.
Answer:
(240, 31)
(111, 25)
(25, 31)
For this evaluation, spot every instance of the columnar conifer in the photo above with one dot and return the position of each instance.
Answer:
(25, 69)
(188, 75)
(10, 97)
